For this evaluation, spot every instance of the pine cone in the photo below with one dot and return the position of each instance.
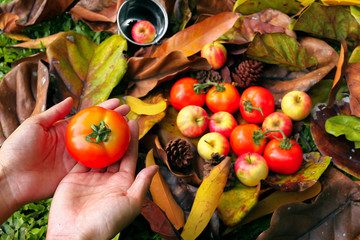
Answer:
(180, 154)
(215, 159)
(247, 73)
(204, 76)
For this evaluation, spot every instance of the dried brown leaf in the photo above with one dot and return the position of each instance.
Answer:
(30, 12)
(334, 215)
(23, 92)
(98, 15)
(144, 74)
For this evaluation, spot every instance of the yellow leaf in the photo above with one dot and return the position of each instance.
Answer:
(236, 203)
(269, 204)
(142, 108)
(206, 200)
(162, 196)
(341, 2)
(306, 2)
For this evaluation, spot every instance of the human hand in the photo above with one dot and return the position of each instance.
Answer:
(99, 203)
(34, 159)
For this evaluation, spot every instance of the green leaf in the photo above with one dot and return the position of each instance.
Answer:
(84, 70)
(344, 125)
(280, 49)
(355, 55)
(355, 12)
(236, 203)
(252, 6)
(333, 22)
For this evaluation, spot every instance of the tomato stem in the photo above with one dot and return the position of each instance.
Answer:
(284, 142)
(100, 133)
(249, 107)
(199, 87)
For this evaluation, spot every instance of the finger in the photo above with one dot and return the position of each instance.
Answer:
(113, 168)
(100, 170)
(142, 182)
(79, 168)
(55, 113)
(128, 162)
(110, 103)
(123, 109)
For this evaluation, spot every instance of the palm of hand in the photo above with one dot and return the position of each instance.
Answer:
(82, 193)
(32, 164)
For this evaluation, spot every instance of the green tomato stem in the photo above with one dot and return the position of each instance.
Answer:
(199, 87)
(100, 133)
(249, 107)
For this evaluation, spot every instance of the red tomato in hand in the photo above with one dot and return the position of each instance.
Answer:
(244, 138)
(224, 97)
(182, 94)
(283, 161)
(101, 149)
(256, 103)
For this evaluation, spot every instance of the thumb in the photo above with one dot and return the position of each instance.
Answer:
(142, 182)
(55, 113)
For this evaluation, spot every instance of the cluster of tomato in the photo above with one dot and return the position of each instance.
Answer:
(258, 134)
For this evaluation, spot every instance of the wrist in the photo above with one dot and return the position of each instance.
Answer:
(8, 202)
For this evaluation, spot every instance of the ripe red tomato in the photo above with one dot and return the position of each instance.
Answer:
(256, 103)
(245, 138)
(283, 161)
(97, 150)
(182, 94)
(223, 97)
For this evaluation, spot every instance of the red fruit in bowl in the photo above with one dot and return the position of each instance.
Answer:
(143, 32)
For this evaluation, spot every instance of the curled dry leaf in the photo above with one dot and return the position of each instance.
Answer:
(309, 173)
(342, 152)
(84, 70)
(334, 215)
(99, 15)
(162, 196)
(280, 81)
(23, 92)
(192, 176)
(17, 15)
(144, 74)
